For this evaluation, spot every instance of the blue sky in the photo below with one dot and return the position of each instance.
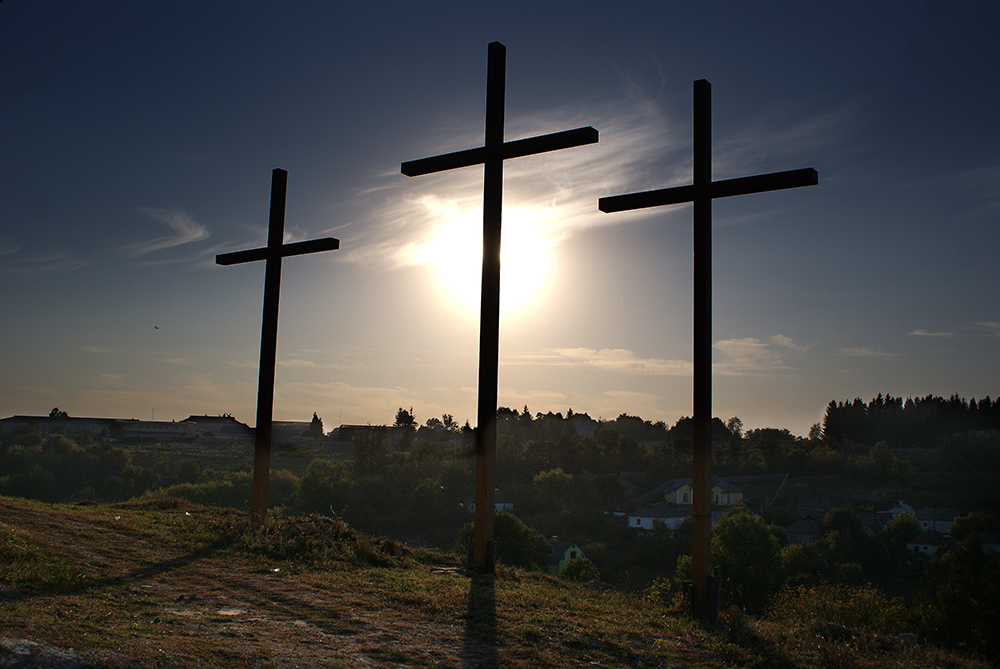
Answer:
(139, 140)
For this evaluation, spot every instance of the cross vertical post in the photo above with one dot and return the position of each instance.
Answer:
(701, 457)
(491, 156)
(483, 547)
(271, 255)
(701, 193)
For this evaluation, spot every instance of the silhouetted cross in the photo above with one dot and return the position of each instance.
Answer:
(701, 193)
(491, 156)
(271, 255)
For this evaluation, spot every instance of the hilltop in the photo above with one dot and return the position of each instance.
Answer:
(172, 584)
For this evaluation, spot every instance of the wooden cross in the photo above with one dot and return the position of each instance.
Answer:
(701, 193)
(491, 156)
(271, 255)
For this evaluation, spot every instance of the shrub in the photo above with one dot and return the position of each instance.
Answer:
(859, 607)
(581, 570)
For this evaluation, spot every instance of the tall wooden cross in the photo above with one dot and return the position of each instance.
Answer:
(701, 193)
(491, 156)
(271, 255)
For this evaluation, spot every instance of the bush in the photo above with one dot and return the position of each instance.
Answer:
(580, 570)
(859, 607)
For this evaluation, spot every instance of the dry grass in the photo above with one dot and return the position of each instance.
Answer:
(172, 584)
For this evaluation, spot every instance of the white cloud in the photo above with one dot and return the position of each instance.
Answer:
(608, 359)
(749, 355)
(925, 333)
(867, 352)
(186, 230)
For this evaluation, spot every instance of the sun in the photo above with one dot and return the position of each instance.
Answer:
(455, 253)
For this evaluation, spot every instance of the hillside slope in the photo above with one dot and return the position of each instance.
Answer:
(169, 584)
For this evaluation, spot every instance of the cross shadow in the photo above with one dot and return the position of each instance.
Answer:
(480, 647)
(146, 572)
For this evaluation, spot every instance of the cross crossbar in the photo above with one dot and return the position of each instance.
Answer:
(518, 148)
(293, 249)
(760, 183)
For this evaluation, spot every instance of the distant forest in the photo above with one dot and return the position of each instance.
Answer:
(911, 423)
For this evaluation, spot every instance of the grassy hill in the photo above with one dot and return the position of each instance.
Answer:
(170, 584)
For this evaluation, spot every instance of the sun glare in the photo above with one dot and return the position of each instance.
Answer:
(455, 253)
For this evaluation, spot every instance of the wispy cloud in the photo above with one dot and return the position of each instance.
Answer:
(750, 355)
(867, 352)
(9, 248)
(990, 328)
(181, 362)
(925, 333)
(50, 262)
(609, 359)
(786, 134)
(185, 231)
(96, 349)
(297, 364)
(787, 343)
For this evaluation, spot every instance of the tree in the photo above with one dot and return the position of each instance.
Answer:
(517, 544)
(315, 427)
(971, 523)
(322, 489)
(960, 598)
(843, 534)
(748, 556)
(898, 531)
(449, 423)
(405, 418)
(57, 413)
(735, 425)
(371, 454)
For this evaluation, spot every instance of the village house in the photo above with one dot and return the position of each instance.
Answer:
(562, 553)
(68, 425)
(898, 508)
(723, 493)
(644, 517)
(223, 427)
(935, 519)
(924, 544)
(220, 428)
